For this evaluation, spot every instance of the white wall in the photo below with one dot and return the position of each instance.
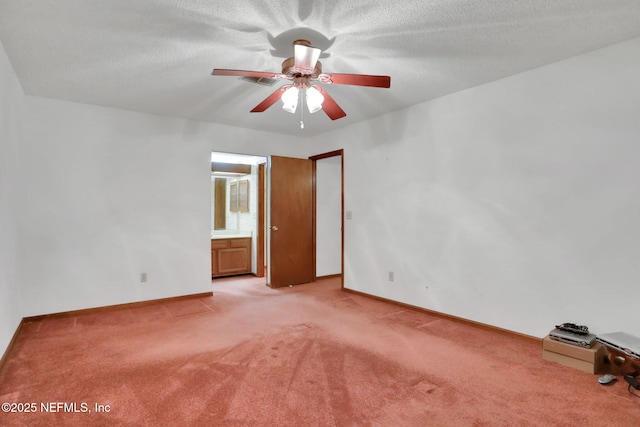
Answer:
(518, 199)
(328, 216)
(113, 193)
(11, 115)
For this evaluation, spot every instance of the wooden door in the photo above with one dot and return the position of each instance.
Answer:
(291, 222)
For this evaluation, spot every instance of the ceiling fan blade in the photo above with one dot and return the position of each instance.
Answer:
(330, 106)
(357, 80)
(305, 58)
(245, 73)
(270, 100)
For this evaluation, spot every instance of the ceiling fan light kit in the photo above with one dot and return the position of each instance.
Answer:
(302, 69)
(314, 99)
(290, 99)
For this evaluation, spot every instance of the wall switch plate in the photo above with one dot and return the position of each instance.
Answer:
(349, 214)
(143, 277)
(391, 276)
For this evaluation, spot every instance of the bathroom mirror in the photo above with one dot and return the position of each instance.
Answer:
(230, 195)
(234, 197)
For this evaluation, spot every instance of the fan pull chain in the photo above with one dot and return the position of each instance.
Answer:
(301, 110)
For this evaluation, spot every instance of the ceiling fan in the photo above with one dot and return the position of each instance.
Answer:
(303, 70)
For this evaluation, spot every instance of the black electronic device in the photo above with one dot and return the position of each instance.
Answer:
(572, 327)
(632, 380)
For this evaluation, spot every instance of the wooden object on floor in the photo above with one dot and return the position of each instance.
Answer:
(621, 363)
(230, 256)
(590, 360)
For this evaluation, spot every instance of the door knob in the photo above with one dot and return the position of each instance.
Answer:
(274, 228)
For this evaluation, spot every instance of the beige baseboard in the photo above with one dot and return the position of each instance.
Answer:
(115, 307)
(107, 308)
(5, 355)
(484, 326)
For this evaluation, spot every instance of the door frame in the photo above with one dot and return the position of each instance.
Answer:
(263, 199)
(261, 193)
(262, 221)
(315, 158)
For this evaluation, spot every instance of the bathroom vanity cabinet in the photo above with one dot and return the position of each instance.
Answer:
(230, 256)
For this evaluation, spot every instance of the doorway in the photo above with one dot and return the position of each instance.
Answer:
(236, 226)
(329, 214)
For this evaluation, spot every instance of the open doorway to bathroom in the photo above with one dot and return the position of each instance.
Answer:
(237, 215)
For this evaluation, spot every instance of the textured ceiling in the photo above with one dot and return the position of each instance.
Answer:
(156, 56)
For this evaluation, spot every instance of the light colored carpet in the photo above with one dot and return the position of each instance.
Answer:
(310, 355)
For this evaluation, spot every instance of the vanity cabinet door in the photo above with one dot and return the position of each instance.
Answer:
(230, 256)
(216, 245)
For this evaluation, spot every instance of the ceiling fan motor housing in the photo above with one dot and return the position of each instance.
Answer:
(301, 77)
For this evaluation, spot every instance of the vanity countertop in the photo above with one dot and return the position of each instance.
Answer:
(230, 236)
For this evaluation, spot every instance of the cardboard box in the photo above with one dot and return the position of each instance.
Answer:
(585, 359)
(590, 355)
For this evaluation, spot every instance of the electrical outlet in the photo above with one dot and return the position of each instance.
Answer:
(391, 276)
(349, 214)
(143, 277)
